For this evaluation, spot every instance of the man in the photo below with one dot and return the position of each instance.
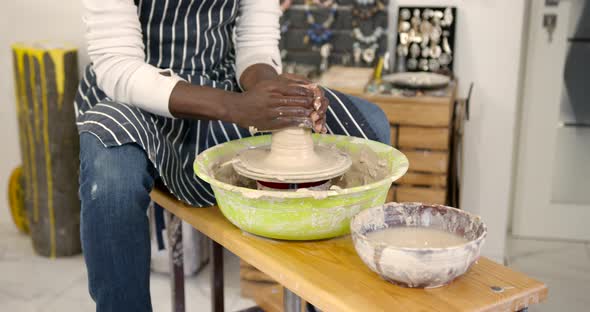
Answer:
(164, 84)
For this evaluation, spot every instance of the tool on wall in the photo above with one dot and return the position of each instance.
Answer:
(550, 23)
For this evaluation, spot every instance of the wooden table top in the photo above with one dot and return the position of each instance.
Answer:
(330, 275)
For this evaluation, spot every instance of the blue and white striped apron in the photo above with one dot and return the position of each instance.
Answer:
(193, 38)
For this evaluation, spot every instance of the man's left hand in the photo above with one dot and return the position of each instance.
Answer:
(318, 116)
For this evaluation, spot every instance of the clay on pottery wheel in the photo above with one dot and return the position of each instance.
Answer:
(291, 158)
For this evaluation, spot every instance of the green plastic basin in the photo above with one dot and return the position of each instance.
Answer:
(299, 215)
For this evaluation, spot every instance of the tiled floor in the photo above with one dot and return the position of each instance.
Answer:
(563, 266)
(31, 283)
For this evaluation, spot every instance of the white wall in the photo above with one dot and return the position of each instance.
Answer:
(28, 20)
(488, 50)
(489, 34)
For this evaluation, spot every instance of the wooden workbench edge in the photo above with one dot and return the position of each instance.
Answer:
(323, 300)
(539, 294)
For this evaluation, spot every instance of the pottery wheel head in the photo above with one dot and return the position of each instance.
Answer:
(322, 164)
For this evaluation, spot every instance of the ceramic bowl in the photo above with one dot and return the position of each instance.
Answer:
(299, 215)
(418, 267)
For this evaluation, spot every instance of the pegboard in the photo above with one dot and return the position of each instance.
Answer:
(295, 25)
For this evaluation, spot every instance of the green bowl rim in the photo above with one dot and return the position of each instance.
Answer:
(390, 178)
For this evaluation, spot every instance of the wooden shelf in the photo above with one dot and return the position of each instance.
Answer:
(415, 113)
(420, 194)
(423, 179)
(428, 161)
(421, 127)
(424, 138)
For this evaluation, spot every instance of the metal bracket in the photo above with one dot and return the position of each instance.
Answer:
(291, 302)
(467, 101)
(176, 254)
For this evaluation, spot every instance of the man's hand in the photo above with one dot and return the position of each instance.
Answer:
(318, 116)
(272, 104)
(261, 73)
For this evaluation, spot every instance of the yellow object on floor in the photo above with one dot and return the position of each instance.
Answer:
(16, 200)
(46, 80)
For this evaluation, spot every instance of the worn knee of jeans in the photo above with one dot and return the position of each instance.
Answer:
(112, 176)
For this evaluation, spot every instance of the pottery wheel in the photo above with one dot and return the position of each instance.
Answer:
(292, 158)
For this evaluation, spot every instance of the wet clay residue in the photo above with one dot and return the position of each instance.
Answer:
(366, 168)
(416, 237)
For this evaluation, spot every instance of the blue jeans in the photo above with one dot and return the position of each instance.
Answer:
(114, 190)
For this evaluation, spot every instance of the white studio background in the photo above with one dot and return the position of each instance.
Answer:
(488, 45)
(29, 20)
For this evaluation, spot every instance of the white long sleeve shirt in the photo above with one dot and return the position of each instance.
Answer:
(116, 49)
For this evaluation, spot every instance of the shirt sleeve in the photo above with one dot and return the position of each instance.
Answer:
(257, 35)
(115, 47)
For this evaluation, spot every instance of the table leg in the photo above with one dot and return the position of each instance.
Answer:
(174, 231)
(291, 302)
(216, 277)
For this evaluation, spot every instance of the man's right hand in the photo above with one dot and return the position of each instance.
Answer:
(271, 104)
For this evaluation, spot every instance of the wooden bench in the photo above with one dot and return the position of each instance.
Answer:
(330, 275)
